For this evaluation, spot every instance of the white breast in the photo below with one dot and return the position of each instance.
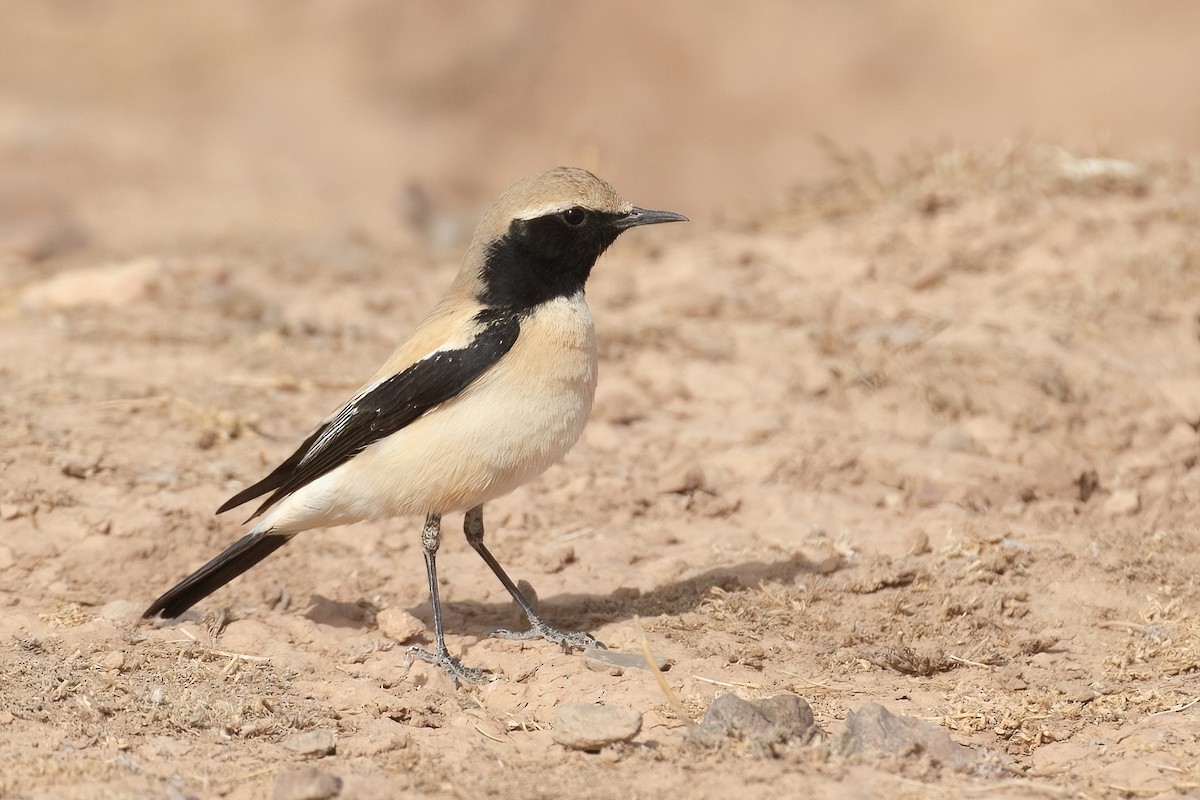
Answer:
(509, 426)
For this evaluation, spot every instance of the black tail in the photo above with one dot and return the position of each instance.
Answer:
(237, 558)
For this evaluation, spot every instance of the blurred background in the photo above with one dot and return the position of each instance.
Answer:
(142, 125)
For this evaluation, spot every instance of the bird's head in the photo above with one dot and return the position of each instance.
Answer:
(542, 237)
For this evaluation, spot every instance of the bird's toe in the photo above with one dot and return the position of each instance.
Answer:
(448, 664)
(581, 640)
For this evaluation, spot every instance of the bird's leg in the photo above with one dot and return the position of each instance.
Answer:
(473, 528)
(430, 539)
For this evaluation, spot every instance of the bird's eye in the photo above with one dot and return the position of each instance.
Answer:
(574, 217)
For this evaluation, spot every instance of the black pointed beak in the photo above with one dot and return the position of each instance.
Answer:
(642, 216)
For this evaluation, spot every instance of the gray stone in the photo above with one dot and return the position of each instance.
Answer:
(774, 720)
(601, 660)
(590, 726)
(306, 783)
(314, 743)
(875, 730)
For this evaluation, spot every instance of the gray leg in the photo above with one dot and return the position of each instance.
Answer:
(430, 540)
(473, 528)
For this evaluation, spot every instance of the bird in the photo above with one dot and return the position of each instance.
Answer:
(490, 390)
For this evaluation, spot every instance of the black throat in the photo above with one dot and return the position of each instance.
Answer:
(542, 259)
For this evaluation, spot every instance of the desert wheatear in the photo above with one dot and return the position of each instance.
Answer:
(489, 391)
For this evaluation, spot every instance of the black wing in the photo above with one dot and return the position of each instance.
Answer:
(385, 408)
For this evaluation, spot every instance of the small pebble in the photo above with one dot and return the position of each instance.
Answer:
(590, 726)
(120, 609)
(1016, 684)
(314, 743)
(398, 625)
(113, 660)
(918, 543)
(306, 783)
(1123, 502)
(599, 666)
(682, 479)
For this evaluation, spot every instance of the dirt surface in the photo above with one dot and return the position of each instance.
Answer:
(920, 432)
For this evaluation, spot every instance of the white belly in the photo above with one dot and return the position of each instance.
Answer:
(509, 426)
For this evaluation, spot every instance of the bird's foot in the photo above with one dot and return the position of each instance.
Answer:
(565, 639)
(449, 664)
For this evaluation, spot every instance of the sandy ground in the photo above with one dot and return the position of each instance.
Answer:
(921, 432)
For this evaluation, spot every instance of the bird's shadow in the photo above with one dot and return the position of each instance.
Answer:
(584, 611)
